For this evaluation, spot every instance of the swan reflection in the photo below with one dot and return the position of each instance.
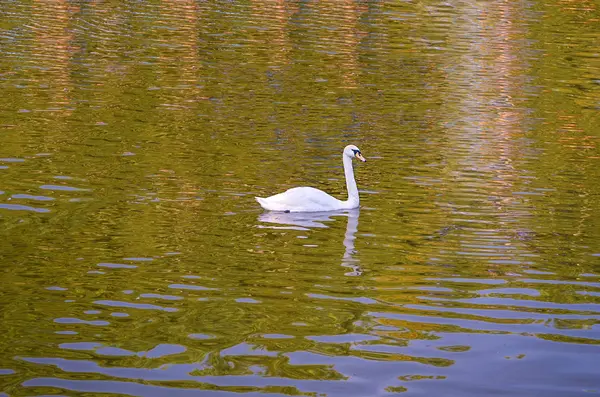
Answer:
(309, 220)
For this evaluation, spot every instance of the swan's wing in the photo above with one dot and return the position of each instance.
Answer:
(301, 199)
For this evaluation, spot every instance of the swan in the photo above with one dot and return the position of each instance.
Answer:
(309, 199)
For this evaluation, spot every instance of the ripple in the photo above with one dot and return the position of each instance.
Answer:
(345, 338)
(559, 282)
(114, 352)
(18, 207)
(247, 300)
(534, 271)
(495, 314)
(191, 287)
(64, 188)
(118, 314)
(277, 336)
(363, 300)
(163, 350)
(80, 345)
(141, 259)
(129, 388)
(520, 322)
(159, 296)
(73, 320)
(510, 291)
(470, 280)
(11, 160)
(30, 197)
(432, 289)
(590, 293)
(56, 288)
(142, 306)
(117, 265)
(247, 349)
(200, 336)
(522, 304)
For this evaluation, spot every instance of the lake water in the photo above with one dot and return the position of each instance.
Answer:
(135, 261)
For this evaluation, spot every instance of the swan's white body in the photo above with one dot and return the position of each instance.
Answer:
(309, 199)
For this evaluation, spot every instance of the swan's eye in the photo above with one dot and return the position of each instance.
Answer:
(356, 151)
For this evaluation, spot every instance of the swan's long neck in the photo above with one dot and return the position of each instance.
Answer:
(353, 200)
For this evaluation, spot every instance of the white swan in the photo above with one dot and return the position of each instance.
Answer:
(309, 199)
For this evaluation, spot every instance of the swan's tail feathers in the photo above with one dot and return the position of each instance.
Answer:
(262, 202)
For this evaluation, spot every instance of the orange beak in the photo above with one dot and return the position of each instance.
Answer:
(360, 157)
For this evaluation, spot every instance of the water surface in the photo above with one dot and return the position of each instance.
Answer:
(135, 260)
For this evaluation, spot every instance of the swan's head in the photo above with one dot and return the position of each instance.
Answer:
(353, 151)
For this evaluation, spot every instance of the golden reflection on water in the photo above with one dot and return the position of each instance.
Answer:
(52, 49)
(136, 134)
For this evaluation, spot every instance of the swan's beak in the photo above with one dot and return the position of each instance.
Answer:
(360, 157)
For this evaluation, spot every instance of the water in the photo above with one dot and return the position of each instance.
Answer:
(135, 260)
